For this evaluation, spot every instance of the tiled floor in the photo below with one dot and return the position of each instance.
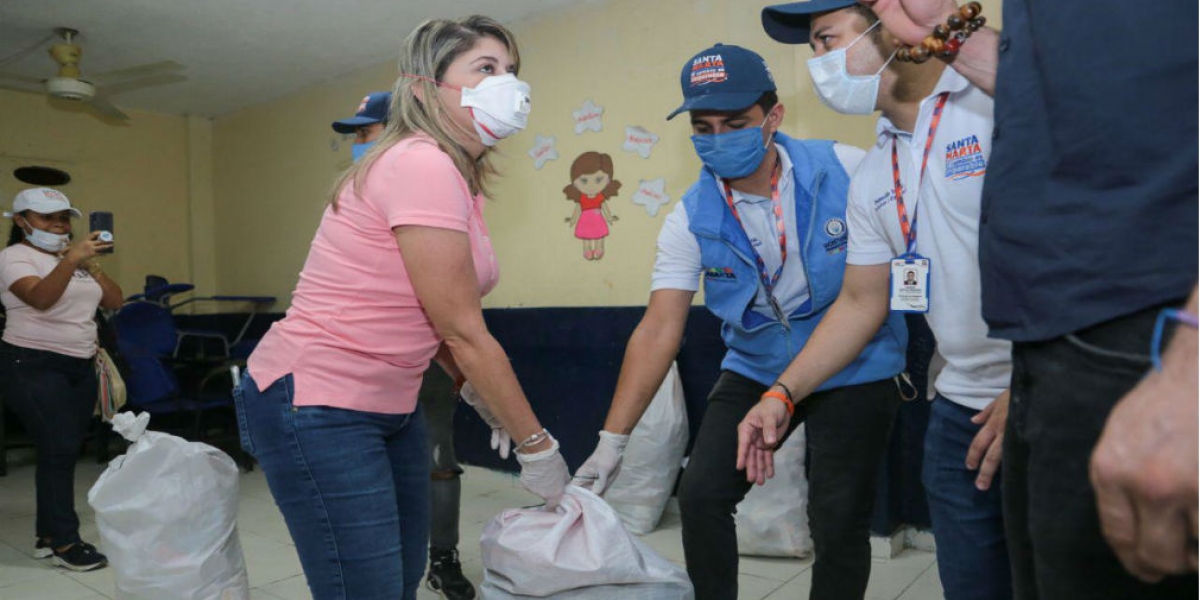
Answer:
(275, 571)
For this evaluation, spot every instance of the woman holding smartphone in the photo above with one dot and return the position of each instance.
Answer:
(393, 279)
(51, 289)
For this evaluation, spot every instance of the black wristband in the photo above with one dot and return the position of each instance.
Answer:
(785, 390)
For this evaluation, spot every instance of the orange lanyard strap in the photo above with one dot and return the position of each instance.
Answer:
(768, 281)
(910, 233)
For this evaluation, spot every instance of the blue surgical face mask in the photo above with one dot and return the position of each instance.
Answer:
(733, 154)
(358, 150)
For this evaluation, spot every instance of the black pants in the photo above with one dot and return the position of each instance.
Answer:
(848, 431)
(1062, 393)
(54, 395)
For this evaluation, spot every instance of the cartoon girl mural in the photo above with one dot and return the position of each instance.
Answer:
(592, 184)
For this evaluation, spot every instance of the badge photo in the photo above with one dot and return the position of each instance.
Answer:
(909, 284)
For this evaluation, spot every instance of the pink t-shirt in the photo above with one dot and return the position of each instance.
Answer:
(356, 336)
(68, 327)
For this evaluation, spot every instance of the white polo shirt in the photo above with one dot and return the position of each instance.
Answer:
(947, 210)
(678, 267)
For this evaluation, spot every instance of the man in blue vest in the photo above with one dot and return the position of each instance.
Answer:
(764, 227)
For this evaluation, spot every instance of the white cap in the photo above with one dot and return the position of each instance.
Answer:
(43, 201)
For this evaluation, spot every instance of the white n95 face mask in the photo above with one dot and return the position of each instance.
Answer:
(499, 106)
(838, 89)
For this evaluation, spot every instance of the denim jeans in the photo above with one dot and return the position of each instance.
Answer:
(54, 396)
(847, 436)
(353, 488)
(439, 402)
(968, 525)
(1062, 393)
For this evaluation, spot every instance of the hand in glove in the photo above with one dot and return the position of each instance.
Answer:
(501, 441)
(545, 474)
(601, 468)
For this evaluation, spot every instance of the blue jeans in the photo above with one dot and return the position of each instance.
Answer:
(53, 395)
(968, 525)
(353, 488)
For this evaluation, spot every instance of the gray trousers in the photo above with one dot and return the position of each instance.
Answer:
(438, 401)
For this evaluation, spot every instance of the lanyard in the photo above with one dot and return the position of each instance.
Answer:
(910, 233)
(768, 281)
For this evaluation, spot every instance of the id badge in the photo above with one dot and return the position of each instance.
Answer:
(910, 284)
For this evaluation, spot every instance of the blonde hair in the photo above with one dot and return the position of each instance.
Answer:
(427, 53)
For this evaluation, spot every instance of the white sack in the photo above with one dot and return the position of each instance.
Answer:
(652, 459)
(167, 511)
(579, 551)
(772, 520)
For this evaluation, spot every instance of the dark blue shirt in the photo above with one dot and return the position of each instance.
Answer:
(1090, 204)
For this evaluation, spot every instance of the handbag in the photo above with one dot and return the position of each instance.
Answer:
(111, 394)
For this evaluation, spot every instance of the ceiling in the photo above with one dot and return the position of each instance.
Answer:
(237, 53)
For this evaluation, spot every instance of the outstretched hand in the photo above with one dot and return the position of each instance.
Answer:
(758, 435)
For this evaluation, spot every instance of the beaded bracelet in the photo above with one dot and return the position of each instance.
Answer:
(1183, 316)
(946, 40)
(534, 439)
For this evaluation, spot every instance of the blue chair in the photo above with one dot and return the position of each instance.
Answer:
(159, 291)
(163, 384)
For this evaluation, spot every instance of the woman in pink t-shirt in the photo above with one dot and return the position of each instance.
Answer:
(393, 279)
(51, 289)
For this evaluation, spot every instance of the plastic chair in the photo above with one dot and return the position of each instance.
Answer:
(159, 291)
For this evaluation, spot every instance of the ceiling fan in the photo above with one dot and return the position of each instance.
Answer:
(69, 84)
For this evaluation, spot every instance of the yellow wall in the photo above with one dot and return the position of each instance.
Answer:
(626, 56)
(139, 172)
(232, 204)
(273, 163)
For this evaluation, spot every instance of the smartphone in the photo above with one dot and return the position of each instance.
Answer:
(102, 221)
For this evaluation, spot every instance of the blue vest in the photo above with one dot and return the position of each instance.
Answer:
(761, 347)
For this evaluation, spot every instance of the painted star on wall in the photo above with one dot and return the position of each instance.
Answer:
(651, 194)
(588, 117)
(543, 150)
(638, 140)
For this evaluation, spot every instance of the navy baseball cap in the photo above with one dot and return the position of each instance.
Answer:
(724, 77)
(372, 109)
(791, 23)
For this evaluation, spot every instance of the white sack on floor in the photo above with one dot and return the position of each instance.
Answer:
(772, 520)
(167, 512)
(652, 459)
(579, 551)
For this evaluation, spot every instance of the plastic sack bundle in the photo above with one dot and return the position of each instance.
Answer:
(772, 520)
(579, 551)
(652, 459)
(167, 511)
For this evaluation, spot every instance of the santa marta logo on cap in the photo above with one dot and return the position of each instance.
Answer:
(724, 77)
